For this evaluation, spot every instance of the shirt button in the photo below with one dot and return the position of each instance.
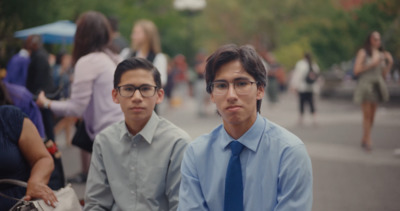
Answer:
(133, 192)
(132, 168)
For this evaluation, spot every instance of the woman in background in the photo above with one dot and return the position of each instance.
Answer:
(371, 66)
(92, 83)
(146, 44)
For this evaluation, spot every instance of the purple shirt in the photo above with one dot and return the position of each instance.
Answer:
(91, 93)
(22, 98)
(17, 68)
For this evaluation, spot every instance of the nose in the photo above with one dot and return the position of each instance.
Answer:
(136, 96)
(231, 94)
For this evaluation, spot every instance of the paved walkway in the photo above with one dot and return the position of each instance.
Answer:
(345, 177)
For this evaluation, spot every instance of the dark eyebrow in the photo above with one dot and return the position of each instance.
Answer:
(236, 79)
(221, 81)
(242, 78)
(138, 86)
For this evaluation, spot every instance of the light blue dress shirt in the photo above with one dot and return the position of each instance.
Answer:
(276, 168)
(140, 172)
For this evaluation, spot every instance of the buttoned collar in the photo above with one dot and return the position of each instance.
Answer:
(250, 139)
(147, 132)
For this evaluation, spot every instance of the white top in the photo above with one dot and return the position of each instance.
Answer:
(298, 81)
(160, 62)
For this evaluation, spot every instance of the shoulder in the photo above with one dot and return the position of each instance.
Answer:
(171, 132)
(202, 144)
(94, 58)
(280, 137)
(11, 121)
(160, 58)
(110, 133)
(361, 52)
(11, 112)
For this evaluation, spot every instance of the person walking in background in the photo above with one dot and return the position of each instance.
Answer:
(17, 68)
(371, 66)
(146, 44)
(62, 74)
(92, 83)
(136, 162)
(248, 162)
(304, 83)
(200, 85)
(118, 43)
(39, 78)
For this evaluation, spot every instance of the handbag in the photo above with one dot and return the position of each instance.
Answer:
(67, 199)
(81, 139)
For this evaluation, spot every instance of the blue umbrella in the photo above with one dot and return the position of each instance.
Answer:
(61, 32)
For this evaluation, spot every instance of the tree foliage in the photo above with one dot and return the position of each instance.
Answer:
(288, 28)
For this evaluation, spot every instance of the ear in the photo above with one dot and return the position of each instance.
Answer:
(114, 94)
(260, 92)
(160, 96)
(212, 98)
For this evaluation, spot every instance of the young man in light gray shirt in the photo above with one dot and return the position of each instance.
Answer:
(136, 162)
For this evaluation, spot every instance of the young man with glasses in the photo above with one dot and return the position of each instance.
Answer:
(136, 162)
(248, 162)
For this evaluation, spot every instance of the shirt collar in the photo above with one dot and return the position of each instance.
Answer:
(250, 139)
(147, 132)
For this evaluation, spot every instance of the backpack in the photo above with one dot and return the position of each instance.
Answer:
(311, 76)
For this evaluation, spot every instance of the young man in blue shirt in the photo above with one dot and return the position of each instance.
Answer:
(248, 162)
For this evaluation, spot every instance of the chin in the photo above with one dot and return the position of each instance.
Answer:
(233, 119)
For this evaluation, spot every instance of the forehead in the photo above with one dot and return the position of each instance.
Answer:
(231, 71)
(376, 35)
(137, 77)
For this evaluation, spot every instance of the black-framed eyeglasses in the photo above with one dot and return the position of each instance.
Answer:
(129, 90)
(242, 86)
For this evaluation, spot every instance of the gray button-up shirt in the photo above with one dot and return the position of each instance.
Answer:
(140, 172)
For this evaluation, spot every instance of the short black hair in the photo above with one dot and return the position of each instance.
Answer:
(135, 63)
(247, 57)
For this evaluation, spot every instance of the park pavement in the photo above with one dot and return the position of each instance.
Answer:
(345, 176)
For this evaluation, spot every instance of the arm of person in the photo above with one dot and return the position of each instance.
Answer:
(389, 65)
(160, 62)
(81, 92)
(41, 162)
(360, 66)
(174, 175)
(98, 194)
(295, 181)
(190, 195)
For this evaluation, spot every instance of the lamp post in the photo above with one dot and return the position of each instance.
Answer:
(190, 8)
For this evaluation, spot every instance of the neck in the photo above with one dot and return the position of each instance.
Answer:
(237, 130)
(144, 50)
(135, 126)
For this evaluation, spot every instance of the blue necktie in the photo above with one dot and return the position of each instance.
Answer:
(234, 183)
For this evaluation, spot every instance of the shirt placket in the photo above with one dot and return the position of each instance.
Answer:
(133, 175)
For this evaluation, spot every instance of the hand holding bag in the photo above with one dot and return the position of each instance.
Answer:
(67, 199)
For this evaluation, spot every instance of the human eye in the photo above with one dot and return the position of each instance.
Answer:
(128, 88)
(220, 85)
(242, 83)
(146, 88)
